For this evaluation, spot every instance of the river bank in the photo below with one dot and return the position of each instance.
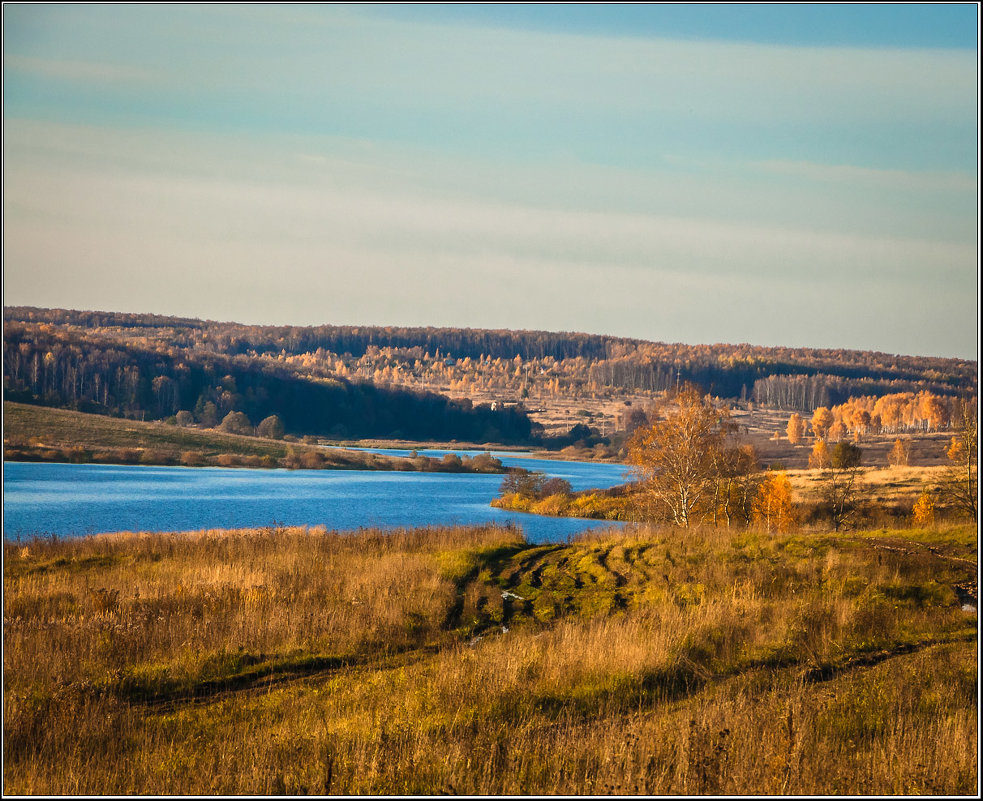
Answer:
(42, 434)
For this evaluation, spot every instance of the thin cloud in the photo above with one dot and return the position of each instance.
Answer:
(78, 71)
(324, 165)
(907, 180)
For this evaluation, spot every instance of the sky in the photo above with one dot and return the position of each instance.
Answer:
(797, 175)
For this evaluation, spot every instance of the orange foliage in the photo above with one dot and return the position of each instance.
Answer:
(773, 505)
(819, 458)
(795, 429)
(822, 419)
(898, 456)
(923, 512)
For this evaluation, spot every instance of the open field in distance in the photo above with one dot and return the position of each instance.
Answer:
(927, 448)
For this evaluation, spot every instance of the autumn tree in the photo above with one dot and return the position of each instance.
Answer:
(236, 423)
(739, 478)
(795, 429)
(678, 455)
(819, 457)
(841, 489)
(822, 419)
(207, 413)
(932, 410)
(923, 512)
(900, 453)
(860, 421)
(271, 427)
(960, 485)
(773, 504)
(837, 431)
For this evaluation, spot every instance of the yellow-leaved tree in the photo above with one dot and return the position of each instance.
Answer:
(795, 429)
(960, 487)
(773, 506)
(822, 419)
(899, 455)
(678, 456)
(819, 458)
(923, 512)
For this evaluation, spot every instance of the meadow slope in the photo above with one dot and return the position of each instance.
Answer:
(469, 661)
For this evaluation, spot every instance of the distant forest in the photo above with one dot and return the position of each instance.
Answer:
(393, 381)
(88, 373)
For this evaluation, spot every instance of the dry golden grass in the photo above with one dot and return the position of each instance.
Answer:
(467, 661)
(884, 485)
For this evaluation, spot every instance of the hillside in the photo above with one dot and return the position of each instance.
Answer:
(93, 371)
(799, 378)
(554, 390)
(467, 661)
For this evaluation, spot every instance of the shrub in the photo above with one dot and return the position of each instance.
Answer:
(153, 456)
(451, 462)
(311, 460)
(236, 423)
(270, 427)
(555, 486)
(486, 463)
(556, 505)
(191, 458)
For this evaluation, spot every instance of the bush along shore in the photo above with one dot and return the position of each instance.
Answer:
(467, 661)
(534, 492)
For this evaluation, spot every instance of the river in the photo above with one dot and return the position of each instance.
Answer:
(77, 499)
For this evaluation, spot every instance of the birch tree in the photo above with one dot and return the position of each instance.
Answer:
(678, 456)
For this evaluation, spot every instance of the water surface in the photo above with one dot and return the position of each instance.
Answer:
(73, 500)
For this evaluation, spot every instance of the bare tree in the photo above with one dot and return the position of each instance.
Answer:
(841, 488)
(960, 487)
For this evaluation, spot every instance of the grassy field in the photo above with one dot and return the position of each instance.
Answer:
(469, 661)
(40, 433)
(884, 486)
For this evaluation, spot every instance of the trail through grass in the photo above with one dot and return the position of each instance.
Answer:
(469, 661)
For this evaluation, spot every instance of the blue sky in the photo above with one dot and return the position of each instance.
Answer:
(780, 175)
